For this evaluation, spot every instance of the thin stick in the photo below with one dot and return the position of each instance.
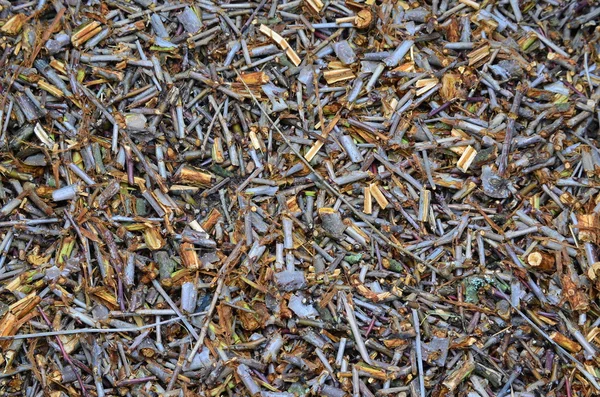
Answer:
(65, 354)
(168, 299)
(94, 330)
(360, 344)
(417, 326)
(177, 370)
(222, 273)
(48, 32)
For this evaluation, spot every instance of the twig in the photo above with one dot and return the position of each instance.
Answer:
(230, 261)
(416, 323)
